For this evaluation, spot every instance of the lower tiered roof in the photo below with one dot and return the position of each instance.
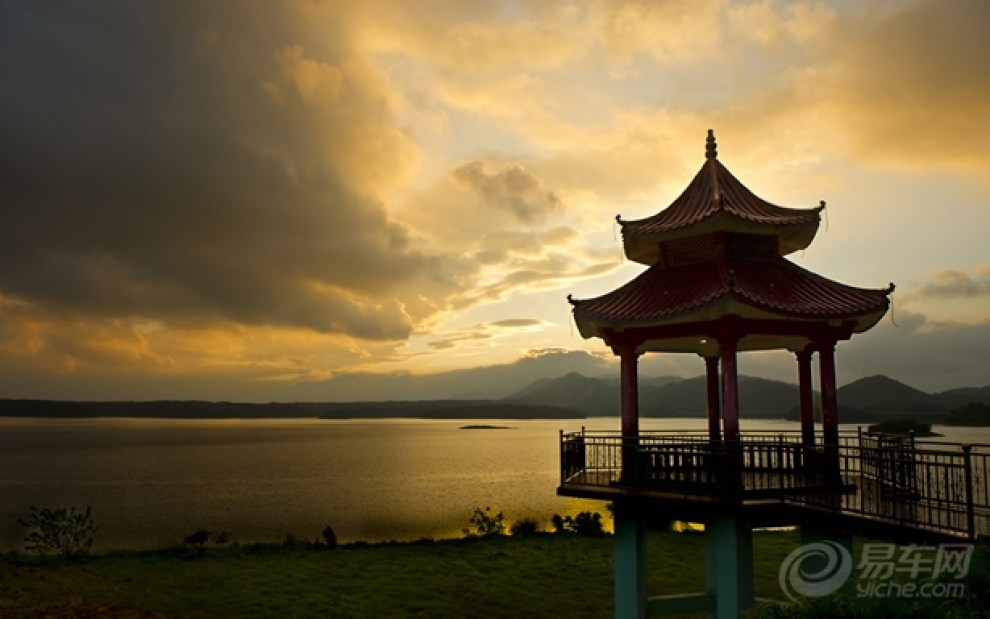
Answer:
(769, 290)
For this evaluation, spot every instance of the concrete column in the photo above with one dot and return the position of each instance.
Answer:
(714, 397)
(806, 397)
(630, 564)
(729, 567)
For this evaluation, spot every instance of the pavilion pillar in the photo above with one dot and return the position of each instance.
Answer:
(830, 405)
(714, 407)
(629, 386)
(730, 389)
(806, 397)
(631, 574)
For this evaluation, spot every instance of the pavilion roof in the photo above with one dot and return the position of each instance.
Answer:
(769, 289)
(717, 200)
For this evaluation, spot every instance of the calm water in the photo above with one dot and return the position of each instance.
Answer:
(152, 482)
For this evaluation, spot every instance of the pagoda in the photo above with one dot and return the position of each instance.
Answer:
(717, 283)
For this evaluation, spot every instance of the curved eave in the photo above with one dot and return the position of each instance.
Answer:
(714, 198)
(699, 293)
(644, 247)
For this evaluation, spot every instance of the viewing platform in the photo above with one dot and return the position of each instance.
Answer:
(923, 488)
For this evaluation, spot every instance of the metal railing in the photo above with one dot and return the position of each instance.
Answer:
(938, 486)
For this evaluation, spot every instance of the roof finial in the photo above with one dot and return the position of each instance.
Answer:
(711, 152)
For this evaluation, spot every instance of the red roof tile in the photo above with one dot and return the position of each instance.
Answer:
(778, 286)
(714, 190)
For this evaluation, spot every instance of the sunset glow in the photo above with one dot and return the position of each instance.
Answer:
(311, 200)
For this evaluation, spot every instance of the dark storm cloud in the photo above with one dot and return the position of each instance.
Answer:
(190, 161)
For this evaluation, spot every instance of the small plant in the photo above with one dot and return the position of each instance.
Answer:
(559, 526)
(62, 531)
(526, 526)
(222, 538)
(486, 524)
(329, 537)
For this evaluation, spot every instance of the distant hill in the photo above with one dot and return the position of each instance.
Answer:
(759, 398)
(955, 398)
(882, 395)
(165, 409)
(592, 396)
(423, 409)
(571, 395)
(448, 409)
(663, 396)
(572, 389)
(972, 414)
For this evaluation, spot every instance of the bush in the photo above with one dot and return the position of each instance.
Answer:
(486, 523)
(199, 538)
(62, 531)
(526, 526)
(585, 523)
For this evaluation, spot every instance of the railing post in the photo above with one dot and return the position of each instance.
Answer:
(562, 466)
(780, 464)
(970, 514)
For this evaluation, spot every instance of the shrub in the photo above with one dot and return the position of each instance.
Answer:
(222, 538)
(486, 523)
(199, 538)
(329, 537)
(526, 526)
(63, 531)
(585, 523)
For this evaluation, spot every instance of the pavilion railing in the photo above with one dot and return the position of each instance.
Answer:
(938, 486)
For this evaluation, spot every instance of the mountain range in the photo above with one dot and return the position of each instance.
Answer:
(570, 395)
(873, 397)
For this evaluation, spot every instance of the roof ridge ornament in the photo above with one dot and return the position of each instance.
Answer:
(711, 154)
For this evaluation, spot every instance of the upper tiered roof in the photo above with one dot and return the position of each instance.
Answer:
(717, 253)
(716, 200)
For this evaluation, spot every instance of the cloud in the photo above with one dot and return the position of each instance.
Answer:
(517, 323)
(908, 86)
(482, 335)
(150, 169)
(511, 188)
(673, 32)
(950, 283)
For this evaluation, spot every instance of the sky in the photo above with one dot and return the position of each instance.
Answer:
(322, 200)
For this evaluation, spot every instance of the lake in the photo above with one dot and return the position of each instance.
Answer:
(151, 482)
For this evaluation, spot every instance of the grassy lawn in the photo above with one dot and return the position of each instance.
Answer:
(542, 576)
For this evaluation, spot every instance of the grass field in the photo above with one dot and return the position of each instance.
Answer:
(511, 577)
